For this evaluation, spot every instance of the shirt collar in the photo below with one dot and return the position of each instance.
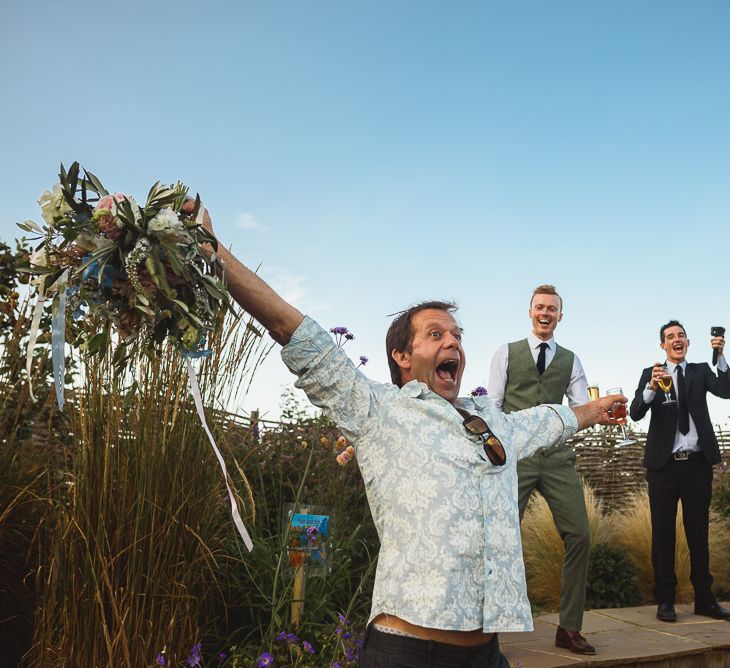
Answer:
(672, 366)
(534, 342)
(413, 389)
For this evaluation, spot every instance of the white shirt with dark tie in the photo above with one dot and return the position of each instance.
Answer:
(685, 442)
(577, 390)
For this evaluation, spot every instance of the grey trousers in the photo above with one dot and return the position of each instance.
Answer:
(552, 473)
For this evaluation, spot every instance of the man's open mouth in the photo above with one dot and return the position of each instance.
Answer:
(544, 321)
(447, 370)
(678, 347)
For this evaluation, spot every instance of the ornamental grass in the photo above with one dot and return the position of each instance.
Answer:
(31, 436)
(140, 520)
(633, 534)
(627, 529)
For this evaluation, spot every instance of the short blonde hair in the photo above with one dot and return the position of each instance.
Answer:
(546, 290)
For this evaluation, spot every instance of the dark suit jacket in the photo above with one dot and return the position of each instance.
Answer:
(699, 380)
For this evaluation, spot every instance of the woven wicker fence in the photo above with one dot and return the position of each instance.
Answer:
(613, 472)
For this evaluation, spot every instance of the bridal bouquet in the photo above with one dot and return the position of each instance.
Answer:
(125, 269)
(130, 275)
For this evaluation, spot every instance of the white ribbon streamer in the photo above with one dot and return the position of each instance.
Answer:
(195, 391)
(58, 338)
(33, 336)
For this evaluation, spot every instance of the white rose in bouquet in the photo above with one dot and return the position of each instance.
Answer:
(53, 204)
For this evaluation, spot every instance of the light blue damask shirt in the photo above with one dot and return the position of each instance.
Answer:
(450, 554)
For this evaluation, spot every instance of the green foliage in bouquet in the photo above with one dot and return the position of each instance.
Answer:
(134, 271)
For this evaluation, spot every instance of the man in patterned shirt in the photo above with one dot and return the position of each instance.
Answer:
(440, 475)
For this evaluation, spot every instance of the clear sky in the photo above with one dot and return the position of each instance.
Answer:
(369, 155)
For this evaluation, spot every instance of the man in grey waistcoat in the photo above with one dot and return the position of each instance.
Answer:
(535, 371)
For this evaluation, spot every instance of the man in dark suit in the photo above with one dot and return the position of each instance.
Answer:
(681, 449)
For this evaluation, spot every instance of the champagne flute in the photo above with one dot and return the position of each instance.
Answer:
(665, 384)
(619, 411)
(593, 394)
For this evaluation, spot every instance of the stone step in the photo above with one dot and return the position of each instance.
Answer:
(627, 638)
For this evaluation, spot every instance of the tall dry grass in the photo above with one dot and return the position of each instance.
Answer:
(136, 541)
(633, 534)
(543, 548)
(627, 528)
(31, 436)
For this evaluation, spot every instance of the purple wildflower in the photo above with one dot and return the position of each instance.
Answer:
(160, 660)
(194, 658)
(342, 335)
(308, 647)
(479, 391)
(222, 656)
(291, 638)
(282, 636)
(265, 660)
(363, 360)
(336, 665)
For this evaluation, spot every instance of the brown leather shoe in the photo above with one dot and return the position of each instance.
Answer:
(573, 641)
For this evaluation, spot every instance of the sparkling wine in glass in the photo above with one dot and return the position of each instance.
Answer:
(665, 384)
(593, 394)
(619, 411)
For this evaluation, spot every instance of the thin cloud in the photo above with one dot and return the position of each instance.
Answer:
(246, 221)
(293, 289)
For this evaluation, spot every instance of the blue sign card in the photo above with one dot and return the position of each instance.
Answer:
(311, 534)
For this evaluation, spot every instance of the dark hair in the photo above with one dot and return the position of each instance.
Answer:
(671, 323)
(546, 290)
(400, 333)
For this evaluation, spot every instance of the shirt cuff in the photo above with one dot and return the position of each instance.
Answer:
(722, 363)
(648, 395)
(308, 344)
(570, 421)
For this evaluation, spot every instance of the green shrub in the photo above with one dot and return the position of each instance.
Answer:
(612, 579)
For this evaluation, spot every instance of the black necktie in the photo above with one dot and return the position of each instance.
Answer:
(541, 358)
(682, 411)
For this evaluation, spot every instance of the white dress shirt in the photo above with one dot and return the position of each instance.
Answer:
(577, 390)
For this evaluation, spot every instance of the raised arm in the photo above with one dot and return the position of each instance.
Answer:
(255, 295)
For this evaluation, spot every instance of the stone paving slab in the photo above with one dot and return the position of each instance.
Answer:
(628, 637)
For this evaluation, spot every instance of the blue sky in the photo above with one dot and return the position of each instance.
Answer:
(369, 155)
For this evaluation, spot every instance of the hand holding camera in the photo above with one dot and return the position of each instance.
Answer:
(718, 342)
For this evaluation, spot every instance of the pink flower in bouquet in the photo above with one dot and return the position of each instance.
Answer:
(109, 202)
(109, 225)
